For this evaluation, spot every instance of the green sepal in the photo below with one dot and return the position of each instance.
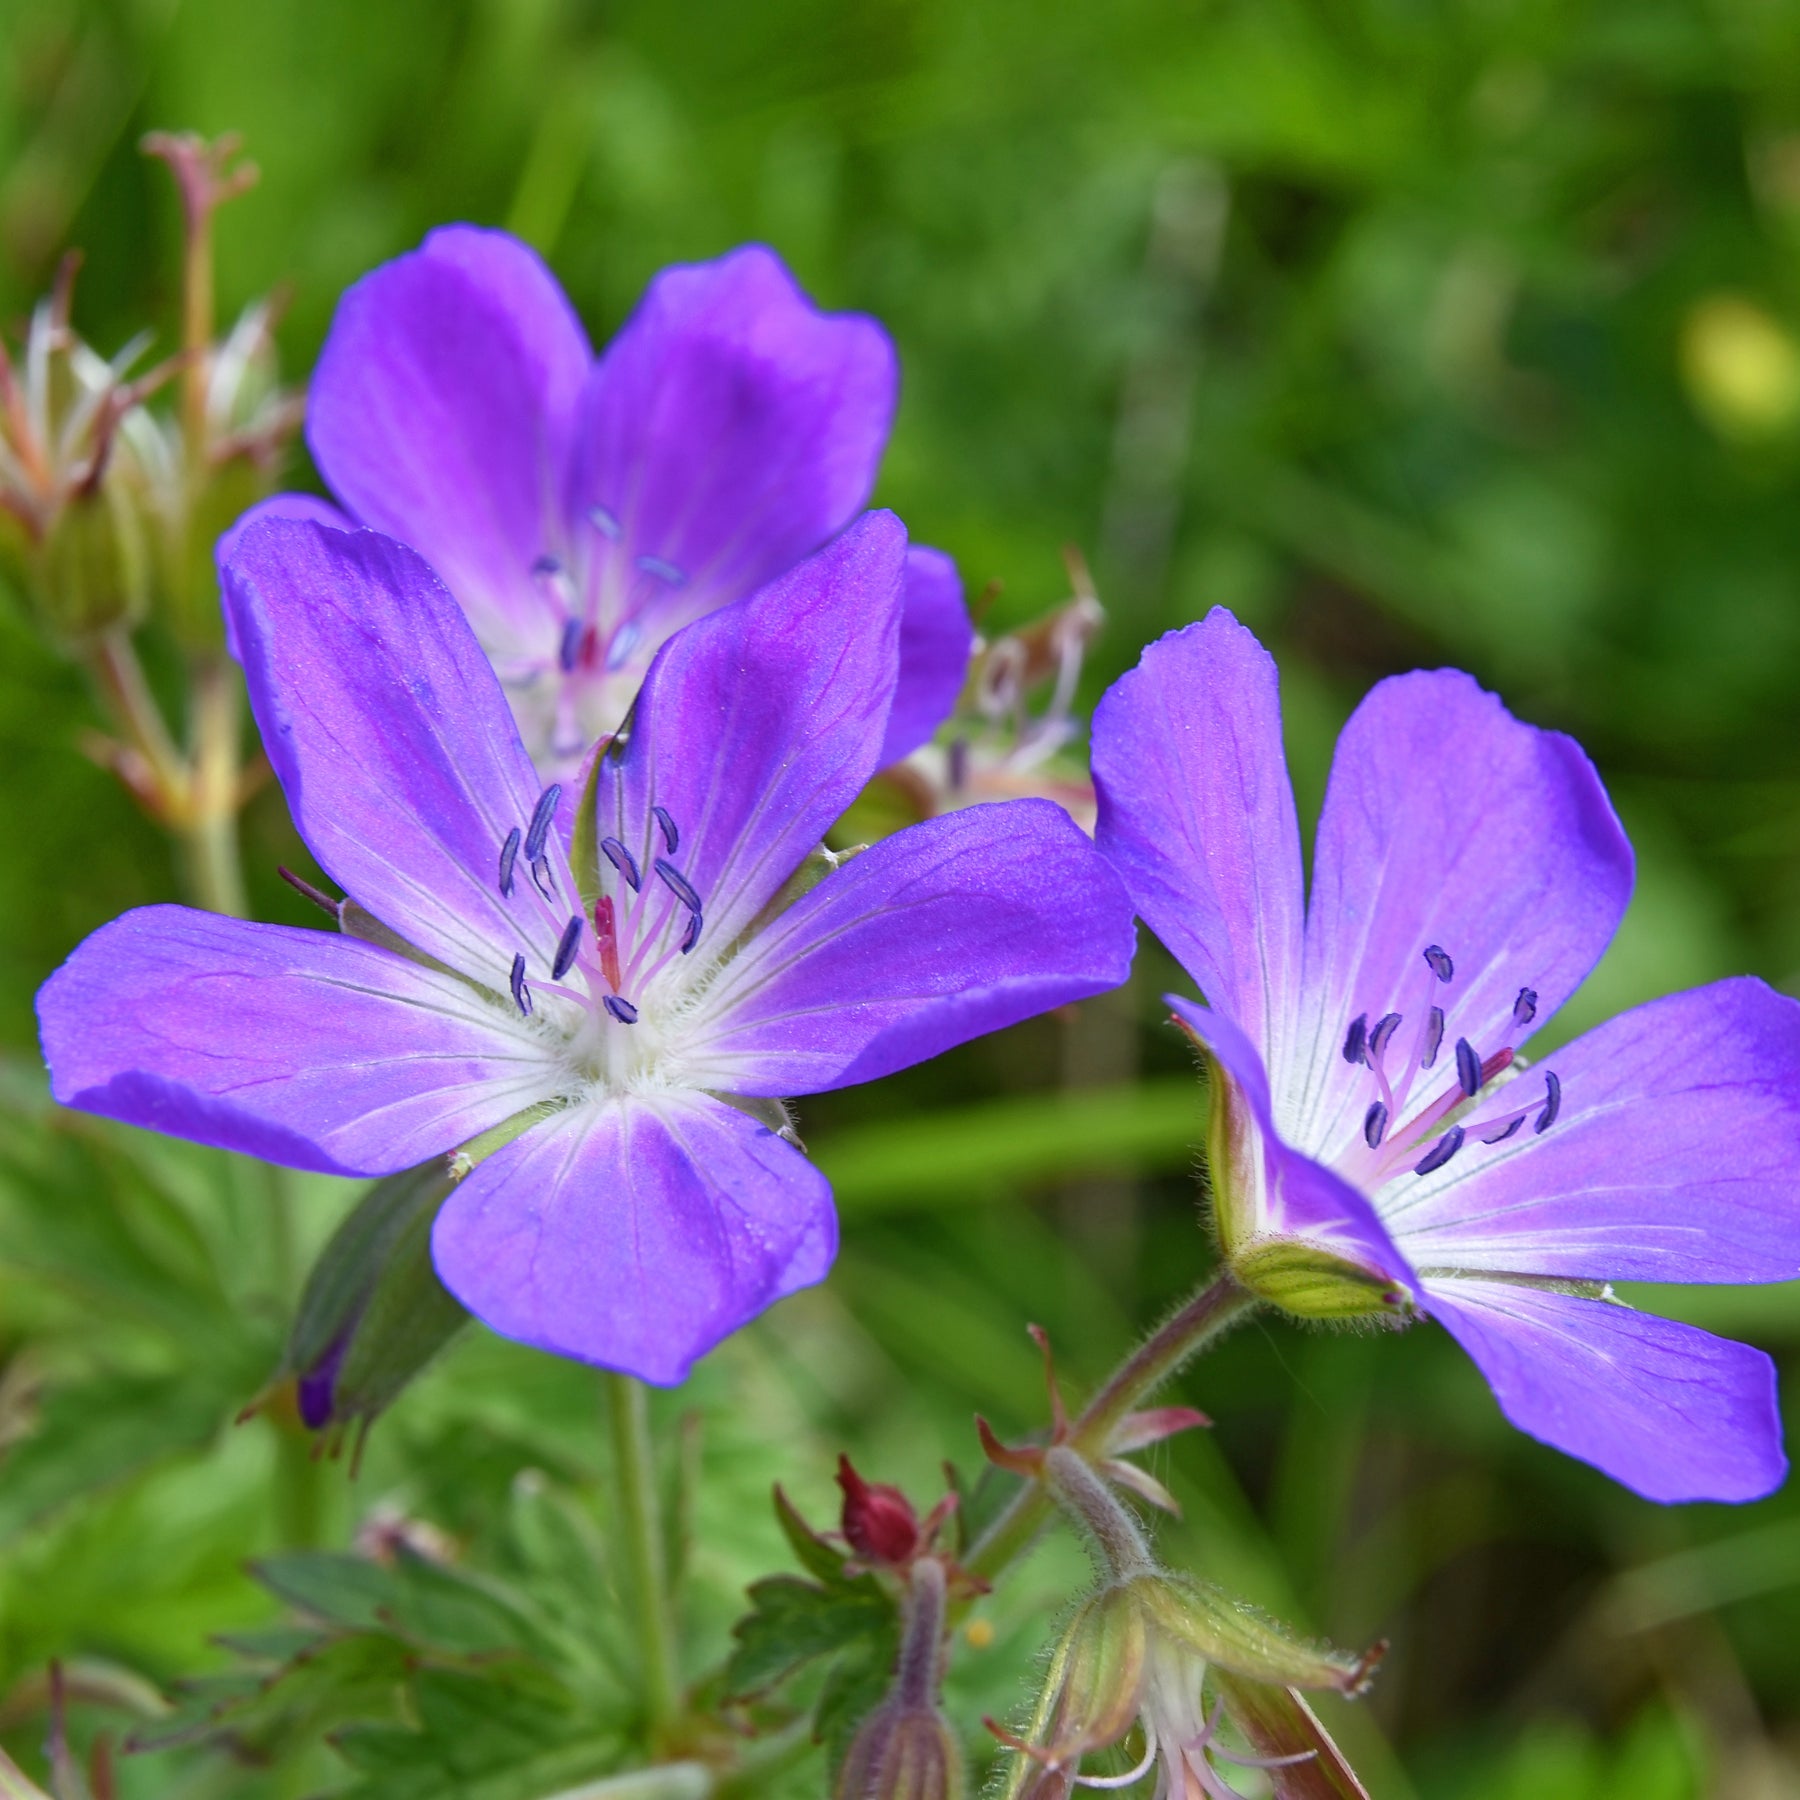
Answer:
(1231, 1634)
(1311, 1283)
(584, 840)
(374, 1299)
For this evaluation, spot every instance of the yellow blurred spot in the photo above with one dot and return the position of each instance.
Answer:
(1741, 366)
(979, 1633)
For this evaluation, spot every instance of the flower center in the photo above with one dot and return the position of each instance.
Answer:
(608, 958)
(602, 599)
(1425, 1138)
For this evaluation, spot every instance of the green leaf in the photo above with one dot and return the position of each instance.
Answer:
(857, 1684)
(793, 1622)
(337, 1590)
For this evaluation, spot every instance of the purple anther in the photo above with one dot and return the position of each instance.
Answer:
(1500, 1137)
(1379, 1037)
(671, 832)
(1356, 1039)
(568, 651)
(622, 860)
(1525, 1007)
(1440, 1152)
(541, 815)
(1434, 1037)
(1552, 1101)
(540, 877)
(620, 1008)
(1468, 1067)
(314, 1391)
(1375, 1122)
(663, 571)
(509, 855)
(547, 565)
(692, 936)
(603, 522)
(624, 641)
(520, 992)
(1441, 965)
(566, 947)
(678, 884)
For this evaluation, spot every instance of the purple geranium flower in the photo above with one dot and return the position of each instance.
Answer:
(583, 510)
(1379, 1143)
(600, 1002)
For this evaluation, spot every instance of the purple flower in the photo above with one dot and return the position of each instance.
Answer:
(583, 510)
(1379, 1143)
(600, 1001)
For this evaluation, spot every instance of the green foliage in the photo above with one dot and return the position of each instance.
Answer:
(1414, 334)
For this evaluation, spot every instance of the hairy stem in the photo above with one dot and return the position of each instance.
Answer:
(1211, 1311)
(640, 1522)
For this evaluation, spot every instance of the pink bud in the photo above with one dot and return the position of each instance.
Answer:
(879, 1520)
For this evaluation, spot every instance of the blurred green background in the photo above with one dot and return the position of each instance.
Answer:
(1415, 333)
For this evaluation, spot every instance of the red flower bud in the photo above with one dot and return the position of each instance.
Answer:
(879, 1522)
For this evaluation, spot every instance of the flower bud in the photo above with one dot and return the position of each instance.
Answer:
(878, 1521)
(374, 1312)
(902, 1752)
(72, 532)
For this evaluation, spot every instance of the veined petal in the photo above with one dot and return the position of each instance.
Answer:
(1447, 822)
(1197, 815)
(1675, 1155)
(1671, 1411)
(937, 934)
(731, 427)
(758, 724)
(277, 506)
(935, 639)
(636, 1233)
(441, 413)
(387, 728)
(301, 1047)
(1292, 1197)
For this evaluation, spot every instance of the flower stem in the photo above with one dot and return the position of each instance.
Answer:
(1207, 1314)
(640, 1521)
(210, 833)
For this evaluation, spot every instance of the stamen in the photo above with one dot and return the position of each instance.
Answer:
(1525, 1007)
(1468, 1067)
(624, 641)
(693, 933)
(663, 571)
(301, 885)
(603, 522)
(1356, 1039)
(1385, 1028)
(1440, 1152)
(677, 884)
(566, 947)
(621, 1009)
(1500, 1137)
(1552, 1102)
(547, 565)
(1434, 1037)
(540, 877)
(671, 833)
(1375, 1123)
(569, 650)
(542, 814)
(622, 860)
(520, 992)
(1441, 965)
(959, 764)
(509, 854)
